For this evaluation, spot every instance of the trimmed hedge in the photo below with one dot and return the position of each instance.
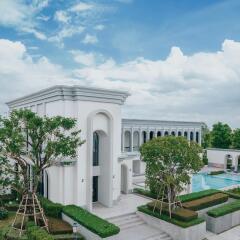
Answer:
(145, 192)
(3, 213)
(172, 220)
(197, 195)
(216, 172)
(206, 202)
(51, 209)
(92, 222)
(181, 214)
(225, 209)
(36, 233)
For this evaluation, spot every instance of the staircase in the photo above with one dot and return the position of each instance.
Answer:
(133, 227)
(127, 221)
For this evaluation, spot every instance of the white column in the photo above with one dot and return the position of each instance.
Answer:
(123, 138)
(188, 131)
(194, 136)
(131, 143)
(140, 137)
(200, 137)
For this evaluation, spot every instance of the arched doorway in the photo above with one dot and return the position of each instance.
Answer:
(173, 133)
(166, 133)
(228, 162)
(144, 136)
(186, 134)
(124, 179)
(191, 136)
(159, 134)
(197, 137)
(179, 134)
(151, 135)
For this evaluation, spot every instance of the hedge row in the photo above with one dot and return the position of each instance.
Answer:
(216, 172)
(51, 209)
(225, 209)
(92, 222)
(181, 214)
(172, 220)
(197, 195)
(145, 192)
(206, 202)
(36, 233)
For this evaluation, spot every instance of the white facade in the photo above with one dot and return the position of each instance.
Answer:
(224, 158)
(109, 159)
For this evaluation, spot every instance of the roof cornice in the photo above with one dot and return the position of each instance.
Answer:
(72, 93)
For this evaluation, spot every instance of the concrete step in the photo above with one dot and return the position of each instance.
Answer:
(127, 221)
(159, 236)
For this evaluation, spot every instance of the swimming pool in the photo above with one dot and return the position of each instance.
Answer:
(202, 181)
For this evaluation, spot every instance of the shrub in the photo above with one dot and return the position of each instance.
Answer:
(7, 197)
(225, 209)
(216, 172)
(3, 213)
(172, 220)
(145, 192)
(179, 213)
(197, 195)
(234, 193)
(92, 222)
(51, 209)
(206, 202)
(12, 206)
(36, 233)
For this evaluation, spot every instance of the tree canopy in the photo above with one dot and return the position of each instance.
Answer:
(28, 139)
(221, 136)
(170, 160)
(236, 139)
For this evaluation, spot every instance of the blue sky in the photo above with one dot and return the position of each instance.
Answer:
(89, 42)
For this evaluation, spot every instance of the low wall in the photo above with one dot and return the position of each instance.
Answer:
(88, 235)
(223, 223)
(196, 232)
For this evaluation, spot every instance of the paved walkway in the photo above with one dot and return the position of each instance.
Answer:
(232, 234)
(128, 203)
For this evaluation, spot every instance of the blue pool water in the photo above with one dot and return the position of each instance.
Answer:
(204, 181)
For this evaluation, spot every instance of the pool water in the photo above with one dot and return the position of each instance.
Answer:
(203, 181)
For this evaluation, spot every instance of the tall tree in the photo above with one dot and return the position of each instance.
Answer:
(221, 136)
(169, 162)
(236, 139)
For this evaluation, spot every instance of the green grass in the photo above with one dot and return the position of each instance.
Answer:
(225, 209)
(92, 222)
(166, 218)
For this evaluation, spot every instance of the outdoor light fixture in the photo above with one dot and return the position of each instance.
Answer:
(75, 226)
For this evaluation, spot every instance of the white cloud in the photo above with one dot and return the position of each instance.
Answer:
(90, 39)
(20, 74)
(62, 16)
(99, 27)
(80, 7)
(21, 16)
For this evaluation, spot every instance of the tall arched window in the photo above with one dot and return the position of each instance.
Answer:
(179, 134)
(197, 137)
(166, 133)
(159, 134)
(186, 134)
(191, 136)
(95, 149)
(151, 135)
(173, 133)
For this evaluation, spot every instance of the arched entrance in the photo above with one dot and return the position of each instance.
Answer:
(127, 141)
(228, 162)
(159, 134)
(144, 136)
(136, 141)
(124, 179)
(151, 135)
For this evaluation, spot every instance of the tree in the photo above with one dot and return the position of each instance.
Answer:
(37, 143)
(221, 136)
(206, 138)
(236, 139)
(169, 162)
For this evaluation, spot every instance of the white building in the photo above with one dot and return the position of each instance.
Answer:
(109, 160)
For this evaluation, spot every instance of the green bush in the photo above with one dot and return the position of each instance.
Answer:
(92, 222)
(197, 195)
(51, 209)
(225, 209)
(206, 202)
(3, 213)
(216, 172)
(181, 214)
(7, 197)
(12, 206)
(234, 193)
(172, 220)
(145, 192)
(36, 233)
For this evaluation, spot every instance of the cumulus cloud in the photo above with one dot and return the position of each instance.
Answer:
(79, 7)
(90, 39)
(202, 87)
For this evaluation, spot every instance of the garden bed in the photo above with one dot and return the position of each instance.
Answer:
(90, 221)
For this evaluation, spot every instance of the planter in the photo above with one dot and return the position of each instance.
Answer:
(196, 232)
(85, 232)
(223, 223)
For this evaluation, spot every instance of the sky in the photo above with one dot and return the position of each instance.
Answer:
(180, 60)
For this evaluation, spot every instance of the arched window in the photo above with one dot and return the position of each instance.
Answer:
(127, 141)
(186, 134)
(144, 136)
(197, 137)
(173, 133)
(159, 134)
(135, 141)
(151, 135)
(166, 133)
(95, 149)
(191, 136)
(179, 134)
